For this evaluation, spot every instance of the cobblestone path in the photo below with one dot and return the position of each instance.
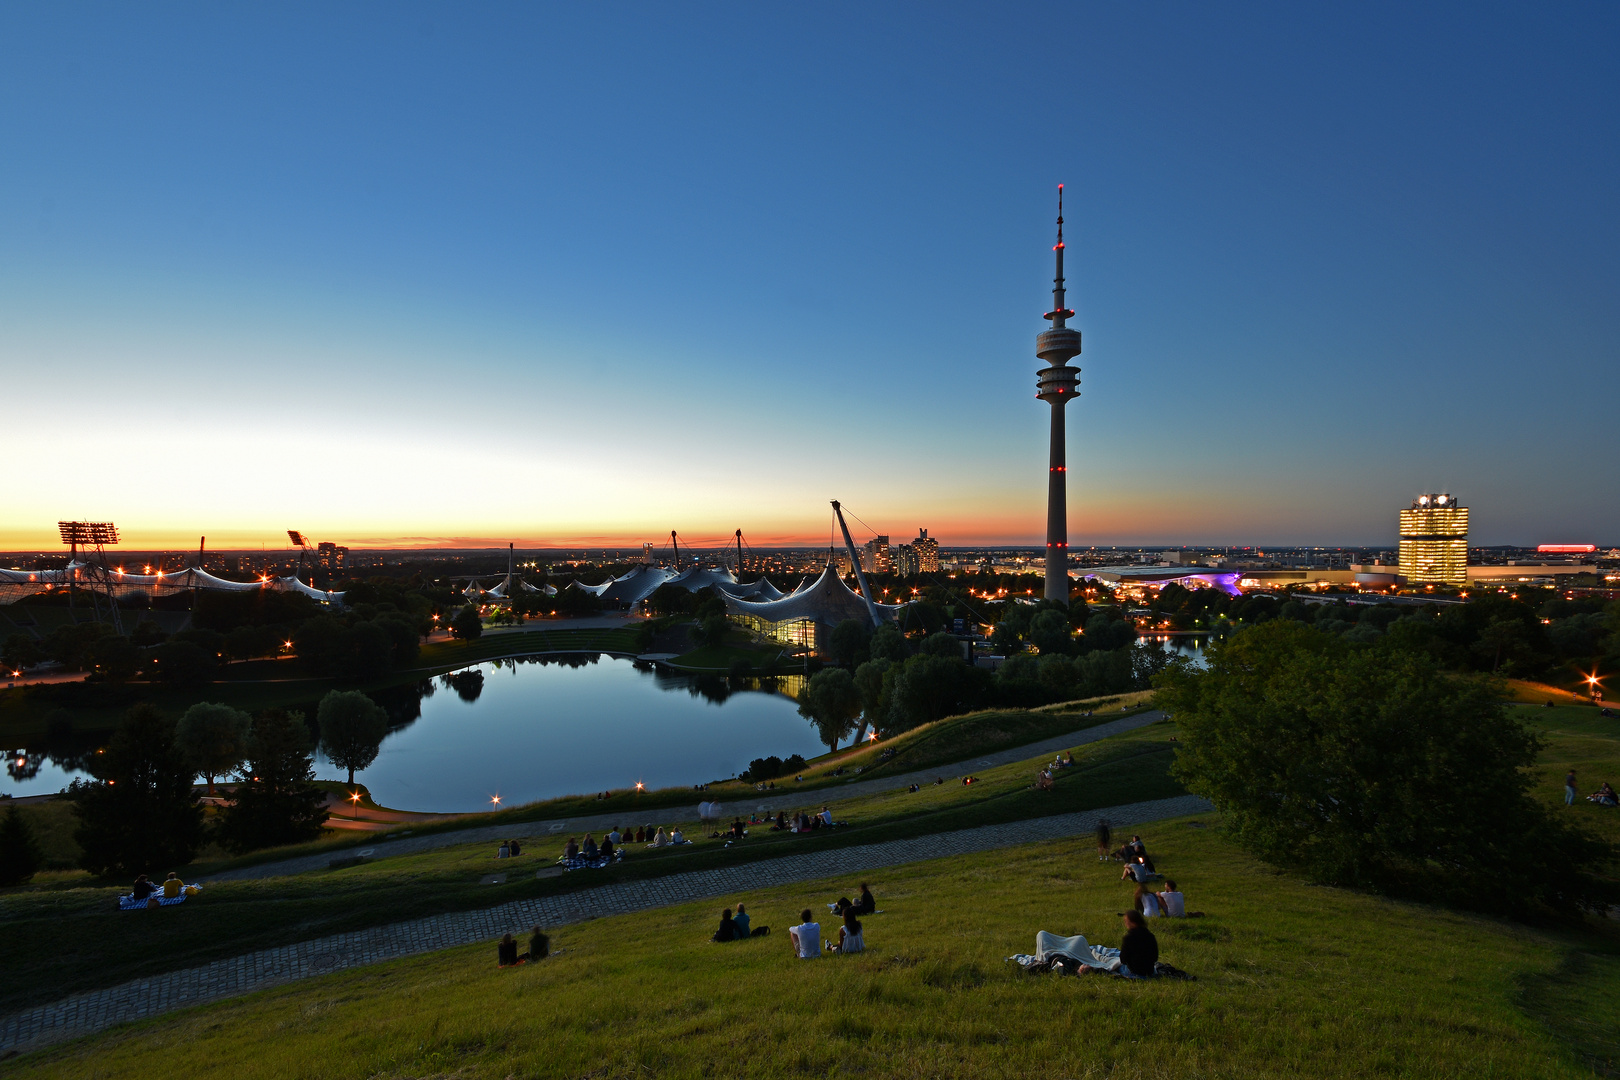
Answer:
(83, 1014)
(767, 802)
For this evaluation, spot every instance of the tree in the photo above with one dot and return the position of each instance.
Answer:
(943, 645)
(20, 854)
(928, 687)
(869, 684)
(888, 644)
(214, 737)
(467, 625)
(275, 802)
(352, 729)
(114, 658)
(1372, 767)
(851, 642)
(1049, 632)
(713, 630)
(140, 814)
(20, 651)
(831, 702)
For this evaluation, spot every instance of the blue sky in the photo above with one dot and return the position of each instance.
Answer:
(414, 273)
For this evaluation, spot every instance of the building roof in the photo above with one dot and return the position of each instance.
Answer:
(826, 600)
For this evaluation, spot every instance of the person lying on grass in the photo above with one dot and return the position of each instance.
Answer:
(1145, 903)
(1139, 949)
(849, 936)
(1136, 871)
(806, 937)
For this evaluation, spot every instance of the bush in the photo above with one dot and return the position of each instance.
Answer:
(20, 854)
(1371, 767)
(766, 768)
(794, 764)
(184, 664)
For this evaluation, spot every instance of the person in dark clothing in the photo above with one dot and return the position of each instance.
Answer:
(143, 888)
(571, 851)
(506, 951)
(728, 928)
(539, 945)
(1139, 950)
(781, 822)
(607, 849)
(865, 905)
(1105, 836)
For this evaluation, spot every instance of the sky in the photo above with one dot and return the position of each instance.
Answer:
(412, 274)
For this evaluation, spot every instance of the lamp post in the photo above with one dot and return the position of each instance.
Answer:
(354, 801)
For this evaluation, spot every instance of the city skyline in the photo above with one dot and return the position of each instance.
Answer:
(575, 278)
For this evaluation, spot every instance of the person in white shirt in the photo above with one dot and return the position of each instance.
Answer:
(849, 936)
(615, 837)
(1171, 900)
(659, 840)
(826, 816)
(1147, 903)
(676, 837)
(806, 937)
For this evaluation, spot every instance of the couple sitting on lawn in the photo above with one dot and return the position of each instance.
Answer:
(507, 955)
(736, 927)
(806, 937)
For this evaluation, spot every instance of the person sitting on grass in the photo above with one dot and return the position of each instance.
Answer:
(607, 846)
(728, 928)
(744, 929)
(806, 937)
(1139, 949)
(143, 888)
(864, 905)
(514, 848)
(571, 850)
(506, 954)
(659, 840)
(172, 886)
(675, 836)
(504, 851)
(849, 936)
(539, 946)
(1136, 871)
(1603, 796)
(826, 816)
(589, 848)
(781, 822)
(1145, 902)
(736, 828)
(644, 834)
(1173, 904)
(615, 836)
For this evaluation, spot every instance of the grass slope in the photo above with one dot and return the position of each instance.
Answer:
(1292, 981)
(64, 938)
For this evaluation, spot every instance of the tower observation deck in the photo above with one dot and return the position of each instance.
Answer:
(1057, 384)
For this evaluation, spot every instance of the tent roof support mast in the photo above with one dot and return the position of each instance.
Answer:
(855, 561)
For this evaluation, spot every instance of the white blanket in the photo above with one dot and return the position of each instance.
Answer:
(1075, 948)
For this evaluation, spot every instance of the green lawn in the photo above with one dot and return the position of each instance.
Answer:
(1293, 981)
(62, 935)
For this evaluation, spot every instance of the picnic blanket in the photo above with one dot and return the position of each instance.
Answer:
(129, 903)
(580, 862)
(1050, 946)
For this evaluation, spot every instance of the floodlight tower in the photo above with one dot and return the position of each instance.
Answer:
(1057, 383)
(83, 535)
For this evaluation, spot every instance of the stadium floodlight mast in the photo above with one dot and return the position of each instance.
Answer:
(79, 535)
(302, 545)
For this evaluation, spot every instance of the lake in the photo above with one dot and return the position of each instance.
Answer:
(539, 727)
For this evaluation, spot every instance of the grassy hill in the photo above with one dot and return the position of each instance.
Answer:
(1292, 981)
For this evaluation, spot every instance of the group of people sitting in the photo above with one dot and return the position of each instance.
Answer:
(1603, 796)
(507, 955)
(509, 849)
(147, 893)
(590, 850)
(1167, 903)
(803, 822)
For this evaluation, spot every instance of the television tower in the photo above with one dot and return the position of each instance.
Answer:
(1056, 384)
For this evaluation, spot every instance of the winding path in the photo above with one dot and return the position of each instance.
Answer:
(97, 1010)
(783, 798)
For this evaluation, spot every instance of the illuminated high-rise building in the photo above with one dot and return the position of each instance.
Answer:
(927, 549)
(1434, 541)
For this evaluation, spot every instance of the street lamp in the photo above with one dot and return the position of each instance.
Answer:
(354, 799)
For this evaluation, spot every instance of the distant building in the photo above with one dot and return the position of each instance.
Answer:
(927, 549)
(1434, 541)
(904, 560)
(875, 555)
(330, 556)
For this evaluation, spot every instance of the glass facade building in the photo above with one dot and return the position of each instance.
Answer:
(1434, 541)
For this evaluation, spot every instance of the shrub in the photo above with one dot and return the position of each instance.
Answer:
(140, 814)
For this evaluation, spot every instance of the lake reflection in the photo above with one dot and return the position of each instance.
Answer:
(573, 724)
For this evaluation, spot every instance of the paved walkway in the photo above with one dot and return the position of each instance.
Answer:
(84, 1014)
(783, 798)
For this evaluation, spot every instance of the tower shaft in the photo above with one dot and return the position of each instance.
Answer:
(1057, 384)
